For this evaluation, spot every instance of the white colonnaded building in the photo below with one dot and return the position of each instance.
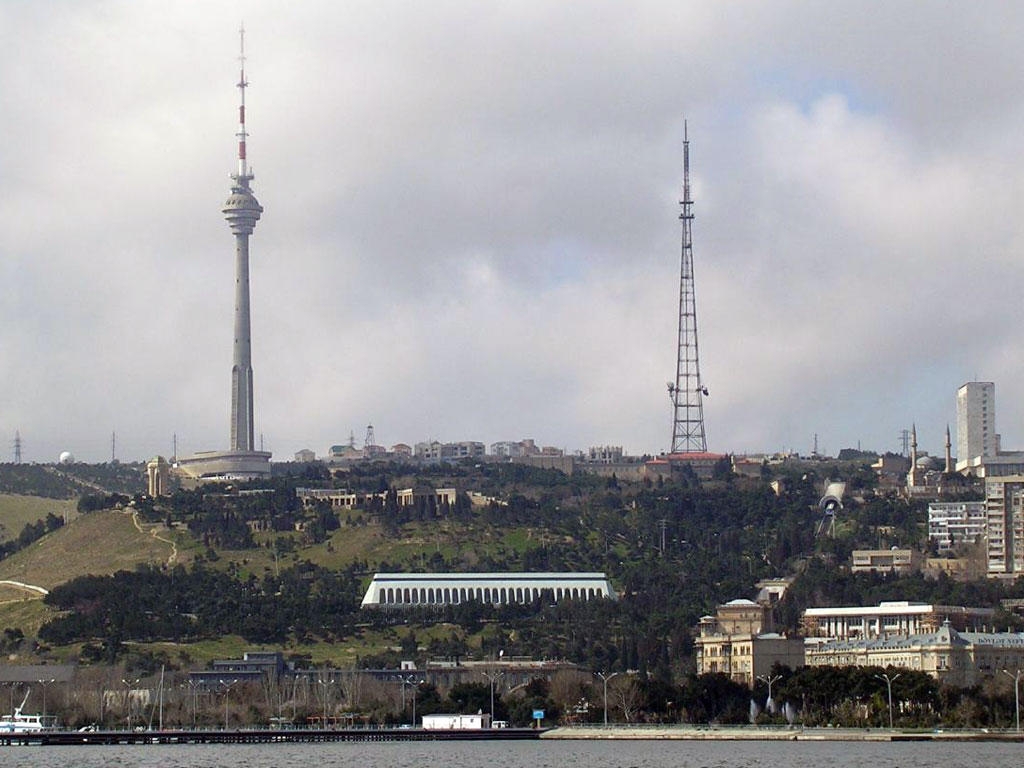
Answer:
(407, 589)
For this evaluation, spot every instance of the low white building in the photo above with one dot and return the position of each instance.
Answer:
(897, 617)
(456, 722)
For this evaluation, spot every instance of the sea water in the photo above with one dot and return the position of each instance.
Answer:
(525, 754)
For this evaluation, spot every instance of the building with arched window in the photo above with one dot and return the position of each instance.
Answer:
(409, 589)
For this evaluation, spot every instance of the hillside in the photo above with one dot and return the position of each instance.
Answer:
(99, 543)
(17, 511)
(262, 570)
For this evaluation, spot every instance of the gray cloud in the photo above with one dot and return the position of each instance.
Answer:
(470, 227)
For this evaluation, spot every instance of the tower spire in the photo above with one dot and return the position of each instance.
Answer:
(687, 392)
(243, 176)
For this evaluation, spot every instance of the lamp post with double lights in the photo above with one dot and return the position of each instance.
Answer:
(45, 683)
(128, 685)
(605, 678)
(414, 682)
(326, 686)
(227, 691)
(492, 678)
(769, 680)
(888, 683)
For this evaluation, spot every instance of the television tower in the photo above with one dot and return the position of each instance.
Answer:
(687, 392)
(242, 211)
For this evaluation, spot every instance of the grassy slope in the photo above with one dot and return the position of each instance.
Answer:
(466, 544)
(105, 542)
(25, 613)
(99, 543)
(18, 511)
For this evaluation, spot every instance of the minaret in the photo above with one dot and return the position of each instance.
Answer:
(687, 392)
(912, 475)
(949, 453)
(242, 212)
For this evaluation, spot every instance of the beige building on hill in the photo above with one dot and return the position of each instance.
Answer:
(740, 641)
(894, 559)
(957, 658)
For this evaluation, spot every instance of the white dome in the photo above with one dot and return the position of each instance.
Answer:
(66, 457)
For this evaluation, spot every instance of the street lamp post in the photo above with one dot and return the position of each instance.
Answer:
(128, 698)
(194, 686)
(227, 691)
(492, 678)
(1016, 693)
(415, 690)
(325, 684)
(605, 678)
(888, 683)
(45, 683)
(414, 682)
(769, 680)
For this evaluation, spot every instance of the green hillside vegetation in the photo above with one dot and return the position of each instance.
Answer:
(68, 481)
(98, 543)
(27, 613)
(17, 511)
(206, 574)
(674, 551)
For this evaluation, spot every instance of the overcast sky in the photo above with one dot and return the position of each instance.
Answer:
(470, 227)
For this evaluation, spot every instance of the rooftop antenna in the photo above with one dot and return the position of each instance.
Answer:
(686, 392)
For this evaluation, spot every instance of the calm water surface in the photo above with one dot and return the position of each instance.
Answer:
(547, 754)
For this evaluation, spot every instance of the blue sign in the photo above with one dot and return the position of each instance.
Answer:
(538, 714)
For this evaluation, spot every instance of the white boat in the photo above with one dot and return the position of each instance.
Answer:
(19, 723)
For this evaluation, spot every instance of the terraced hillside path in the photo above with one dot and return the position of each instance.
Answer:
(154, 531)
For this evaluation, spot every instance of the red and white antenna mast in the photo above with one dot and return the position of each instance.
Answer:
(243, 176)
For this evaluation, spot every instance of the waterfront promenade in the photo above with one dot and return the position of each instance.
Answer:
(580, 733)
(781, 733)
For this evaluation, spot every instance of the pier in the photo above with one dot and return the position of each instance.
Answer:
(263, 736)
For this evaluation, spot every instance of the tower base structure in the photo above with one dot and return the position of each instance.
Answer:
(223, 466)
(670, 465)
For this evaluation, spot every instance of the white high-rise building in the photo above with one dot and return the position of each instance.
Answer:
(975, 423)
(1004, 508)
(951, 523)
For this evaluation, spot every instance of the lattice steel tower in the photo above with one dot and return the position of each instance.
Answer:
(242, 212)
(687, 392)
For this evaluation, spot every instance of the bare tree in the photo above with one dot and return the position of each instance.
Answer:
(625, 692)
